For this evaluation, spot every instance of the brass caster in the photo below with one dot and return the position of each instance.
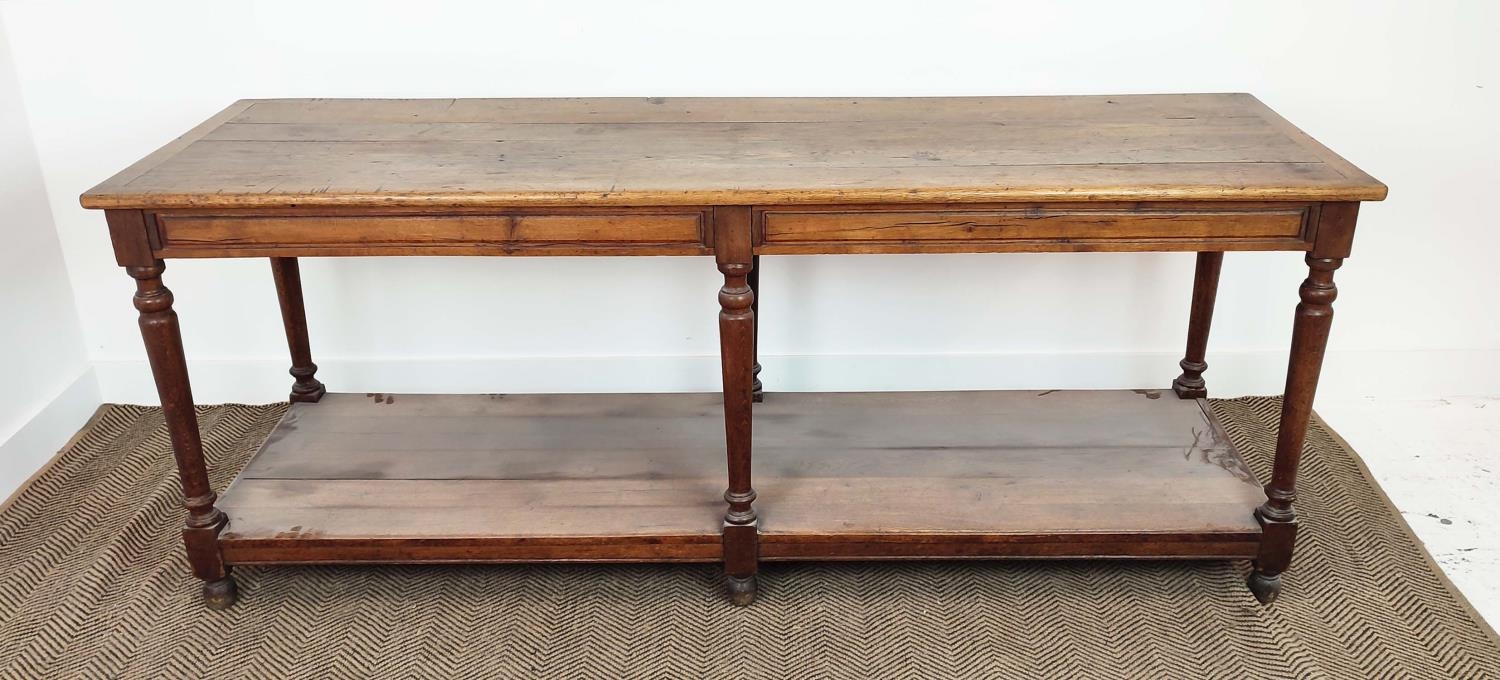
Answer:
(221, 594)
(1264, 587)
(741, 590)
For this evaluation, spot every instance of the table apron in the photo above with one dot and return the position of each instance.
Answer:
(1033, 228)
(776, 230)
(291, 233)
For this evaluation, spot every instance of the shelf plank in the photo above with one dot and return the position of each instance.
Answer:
(639, 477)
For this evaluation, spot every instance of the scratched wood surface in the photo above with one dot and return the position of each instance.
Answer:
(531, 152)
(354, 471)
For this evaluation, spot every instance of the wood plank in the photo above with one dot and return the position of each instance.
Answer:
(486, 550)
(383, 477)
(1197, 135)
(728, 109)
(857, 143)
(468, 153)
(636, 232)
(186, 140)
(1038, 245)
(785, 226)
(333, 458)
(411, 508)
(1078, 546)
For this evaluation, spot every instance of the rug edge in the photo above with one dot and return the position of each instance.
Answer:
(1405, 526)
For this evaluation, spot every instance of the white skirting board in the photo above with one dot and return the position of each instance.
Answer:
(29, 448)
(1399, 374)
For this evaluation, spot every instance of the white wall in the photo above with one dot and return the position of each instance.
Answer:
(47, 390)
(1406, 90)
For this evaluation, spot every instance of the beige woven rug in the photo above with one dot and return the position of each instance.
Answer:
(93, 584)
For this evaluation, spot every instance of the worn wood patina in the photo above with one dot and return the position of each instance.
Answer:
(495, 478)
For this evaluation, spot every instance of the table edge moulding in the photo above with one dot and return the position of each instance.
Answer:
(493, 478)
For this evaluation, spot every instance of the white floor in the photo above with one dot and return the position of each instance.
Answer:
(1439, 461)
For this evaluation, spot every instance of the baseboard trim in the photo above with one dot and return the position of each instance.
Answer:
(36, 443)
(1406, 374)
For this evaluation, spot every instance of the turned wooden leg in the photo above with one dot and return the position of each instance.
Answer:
(288, 277)
(759, 393)
(737, 353)
(1333, 229)
(164, 349)
(1190, 384)
(1278, 518)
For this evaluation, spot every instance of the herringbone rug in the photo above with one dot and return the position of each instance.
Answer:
(93, 584)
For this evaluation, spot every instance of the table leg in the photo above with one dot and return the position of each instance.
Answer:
(737, 353)
(1334, 235)
(288, 277)
(1190, 384)
(1277, 517)
(759, 393)
(163, 340)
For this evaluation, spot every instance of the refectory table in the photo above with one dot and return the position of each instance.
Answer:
(356, 478)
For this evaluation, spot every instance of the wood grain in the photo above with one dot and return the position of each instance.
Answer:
(163, 339)
(734, 253)
(1033, 228)
(527, 152)
(616, 477)
(1190, 384)
(1041, 223)
(666, 232)
(636, 477)
(287, 274)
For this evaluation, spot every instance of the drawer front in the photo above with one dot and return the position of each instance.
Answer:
(1031, 228)
(203, 235)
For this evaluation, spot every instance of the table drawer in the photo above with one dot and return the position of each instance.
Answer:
(190, 235)
(888, 230)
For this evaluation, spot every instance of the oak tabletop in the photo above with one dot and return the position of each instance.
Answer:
(467, 153)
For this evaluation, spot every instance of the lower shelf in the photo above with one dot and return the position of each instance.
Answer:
(640, 477)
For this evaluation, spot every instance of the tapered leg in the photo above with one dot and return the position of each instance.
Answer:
(1277, 516)
(759, 393)
(164, 349)
(288, 277)
(1190, 384)
(737, 352)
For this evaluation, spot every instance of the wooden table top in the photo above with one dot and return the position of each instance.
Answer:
(469, 153)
